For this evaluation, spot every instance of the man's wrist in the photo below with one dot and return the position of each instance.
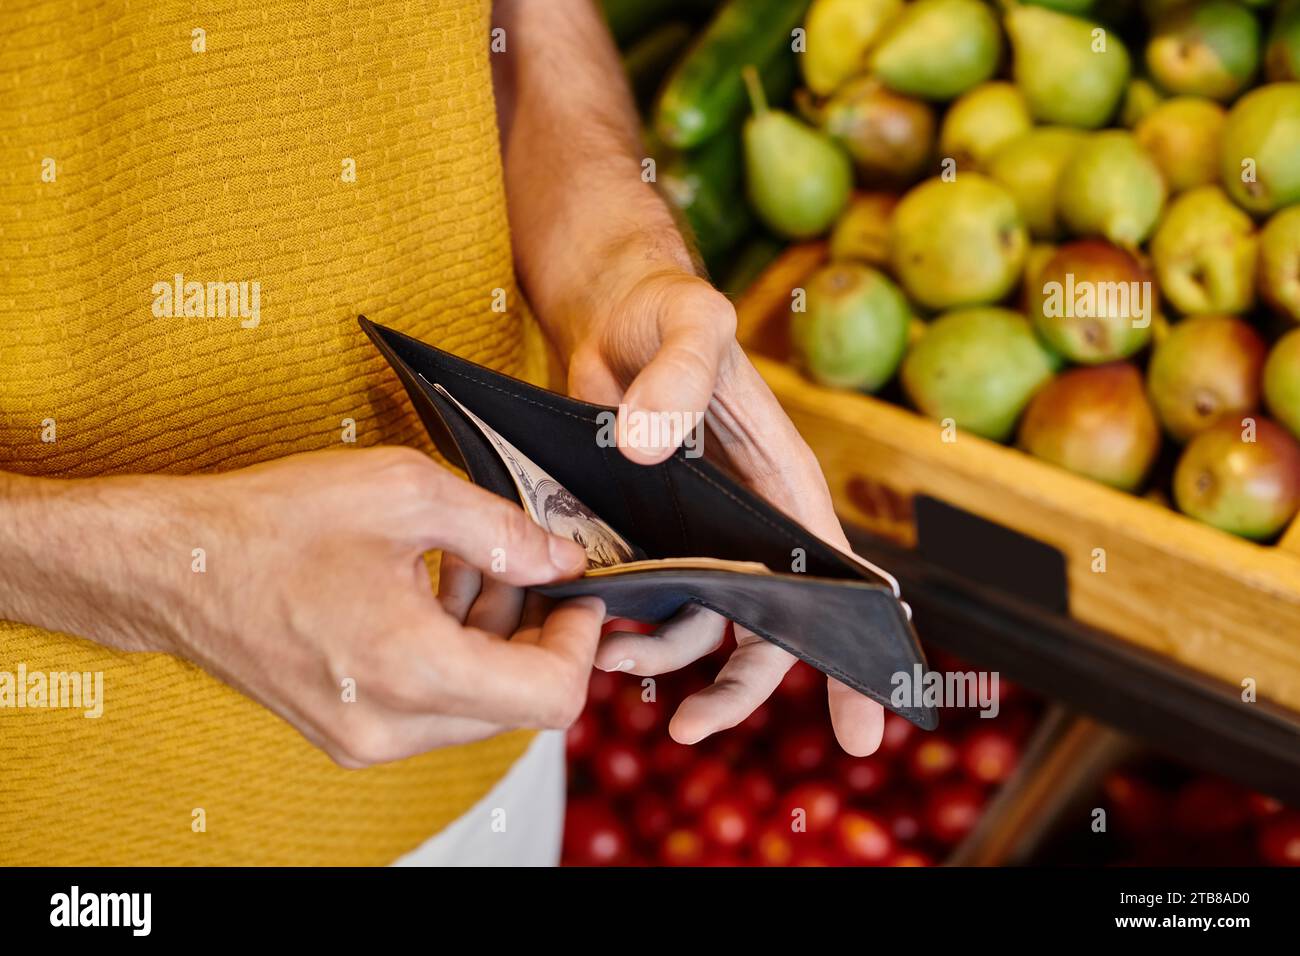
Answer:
(608, 237)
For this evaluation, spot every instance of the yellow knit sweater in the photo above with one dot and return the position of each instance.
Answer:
(341, 155)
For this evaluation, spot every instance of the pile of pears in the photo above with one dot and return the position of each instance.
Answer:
(1069, 224)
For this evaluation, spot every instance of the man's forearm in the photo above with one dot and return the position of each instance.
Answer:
(572, 151)
(73, 555)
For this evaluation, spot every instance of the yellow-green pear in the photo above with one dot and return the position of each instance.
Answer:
(959, 242)
(980, 121)
(1204, 253)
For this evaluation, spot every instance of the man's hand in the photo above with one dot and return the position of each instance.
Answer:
(615, 287)
(313, 583)
(664, 343)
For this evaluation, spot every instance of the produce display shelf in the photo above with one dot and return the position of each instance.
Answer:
(1168, 706)
(1137, 576)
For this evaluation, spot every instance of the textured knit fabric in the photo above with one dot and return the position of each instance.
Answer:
(141, 139)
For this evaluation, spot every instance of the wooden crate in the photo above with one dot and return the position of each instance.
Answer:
(1220, 604)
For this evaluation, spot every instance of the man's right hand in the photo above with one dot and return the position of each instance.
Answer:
(311, 580)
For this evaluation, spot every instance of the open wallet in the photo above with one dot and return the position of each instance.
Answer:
(686, 531)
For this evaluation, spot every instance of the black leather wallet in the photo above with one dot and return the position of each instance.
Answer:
(843, 617)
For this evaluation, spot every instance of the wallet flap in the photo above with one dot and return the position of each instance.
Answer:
(819, 620)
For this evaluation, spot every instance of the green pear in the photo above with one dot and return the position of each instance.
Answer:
(1204, 254)
(1182, 135)
(862, 231)
(1092, 302)
(957, 243)
(1205, 48)
(853, 331)
(1282, 381)
(980, 121)
(938, 49)
(889, 136)
(1242, 479)
(1140, 98)
(1111, 188)
(1279, 262)
(978, 367)
(1259, 162)
(1282, 54)
(1072, 71)
(797, 178)
(1095, 422)
(1207, 367)
(1029, 167)
(838, 34)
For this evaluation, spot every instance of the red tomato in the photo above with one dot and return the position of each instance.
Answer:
(931, 759)
(910, 858)
(701, 784)
(863, 838)
(988, 755)
(864, 776)
(1262, 805)
(756, 788)
(580, 740)
(897, 735)
(775, 845)
(728, 823)
(593, 836)
(633, 714)
(1210, 805)
(619, 767)
(803, 751)
(652, 816)
(1135, 806)
(669, 758)
(602, 686)
(811, 808)
(682, 847)
(800, 682)
(952, 811)
(1279, 839)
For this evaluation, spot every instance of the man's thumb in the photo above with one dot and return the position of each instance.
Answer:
(667, 400)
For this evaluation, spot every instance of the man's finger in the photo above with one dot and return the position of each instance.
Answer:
(669, 397)
(690, 634)
(458, 585)
(525, 684)
(859, 721)
(748, 678)
(497, 536)
(497, 609)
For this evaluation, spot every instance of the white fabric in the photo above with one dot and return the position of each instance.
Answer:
(528, 800)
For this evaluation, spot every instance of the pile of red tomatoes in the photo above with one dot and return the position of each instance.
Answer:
(777, 790)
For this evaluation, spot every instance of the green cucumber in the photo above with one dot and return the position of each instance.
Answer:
(704, 93)
(707, 186)
(650, 57)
